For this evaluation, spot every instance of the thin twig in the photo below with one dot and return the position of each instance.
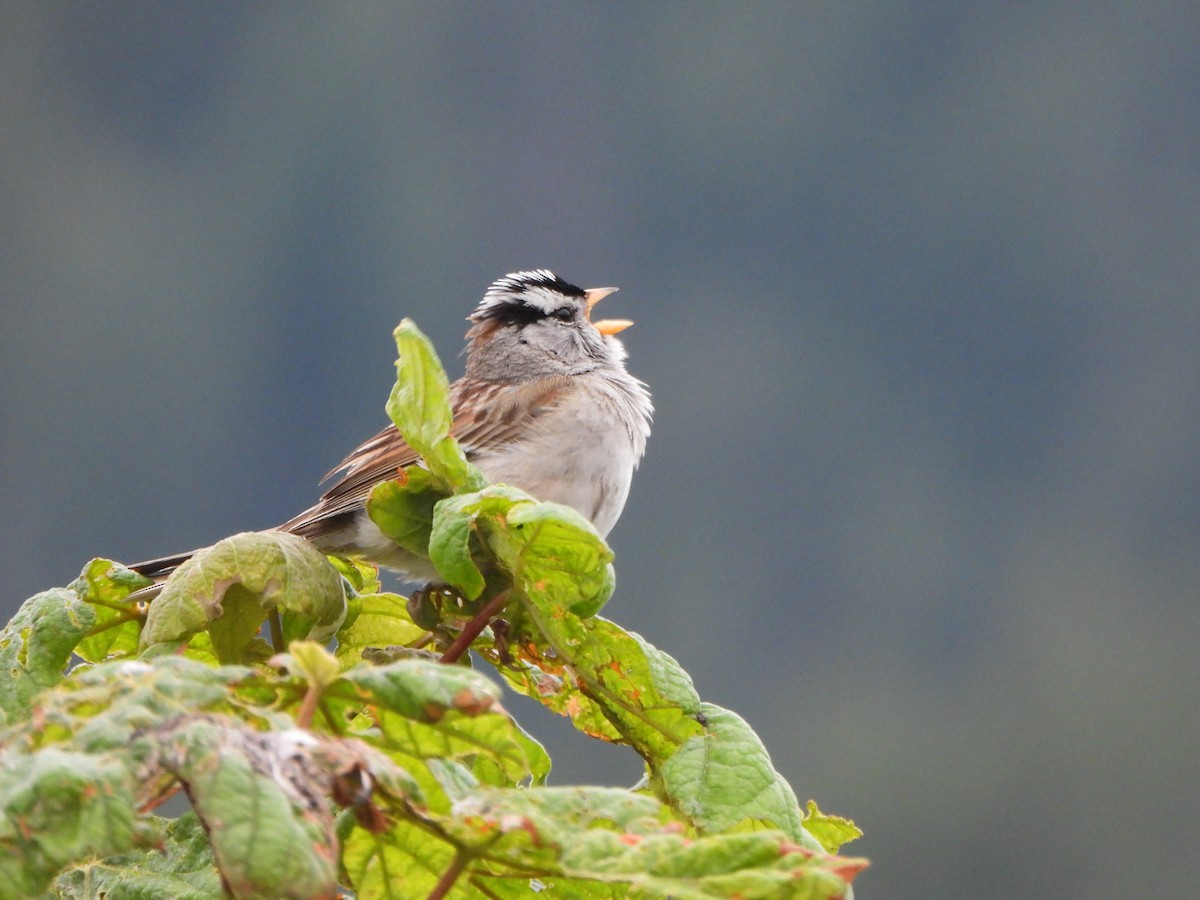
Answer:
(472, 629)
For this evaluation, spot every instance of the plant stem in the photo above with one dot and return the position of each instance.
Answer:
(308, 706)
(276, 631)
(446, 882)
(471, 630)
(120, 620)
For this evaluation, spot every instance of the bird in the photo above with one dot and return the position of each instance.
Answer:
(545, 404)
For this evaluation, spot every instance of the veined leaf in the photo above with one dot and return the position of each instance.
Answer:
(376, 620)
(105, 585)
(181, 867)
(611, 682)
(587, 842)
(57, 807)
(556, 557)
(263, 798)
(430, 711)
(723, 780)
(831, 831)
(102, 708)
(403, 508)
(229, 588)
(419, 406)
(36, 645)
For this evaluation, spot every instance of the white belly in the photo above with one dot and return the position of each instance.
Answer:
(581, 457)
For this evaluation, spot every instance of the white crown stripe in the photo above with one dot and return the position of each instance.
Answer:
(540, 288)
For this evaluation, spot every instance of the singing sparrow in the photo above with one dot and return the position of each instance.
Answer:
(545, 405)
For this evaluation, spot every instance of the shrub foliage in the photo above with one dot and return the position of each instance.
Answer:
(327, 750)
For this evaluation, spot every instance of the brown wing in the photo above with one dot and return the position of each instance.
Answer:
(486, 415)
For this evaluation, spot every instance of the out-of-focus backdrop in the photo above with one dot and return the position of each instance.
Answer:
(916, 289)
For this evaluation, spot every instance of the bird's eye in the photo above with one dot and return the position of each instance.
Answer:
(563, 314)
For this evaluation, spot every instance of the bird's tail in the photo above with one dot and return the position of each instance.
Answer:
(314, 524)
(163, 566)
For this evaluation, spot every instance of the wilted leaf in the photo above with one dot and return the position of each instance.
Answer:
(102, 708)
(230, 587)
(610, 682)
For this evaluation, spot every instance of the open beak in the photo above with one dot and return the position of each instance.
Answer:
(604, 326)
(595, 295)
(612, 326)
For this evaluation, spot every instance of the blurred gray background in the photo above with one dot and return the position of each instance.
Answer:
(915, 288)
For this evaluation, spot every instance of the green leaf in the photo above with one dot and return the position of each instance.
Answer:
(831, 831)
(457, 519)
(425, 710)
(424, 691)
(181, 867)
(362, 576)
(105, 585)
(557, 558)
(704, 761)
(585, 842)
(263, 801)
(312, 662)
(612, 683)
(36, 645)
(403, 508)
(57, 807)
(102, 708)
(419, 406)
(403, 863)
(379, 620)
(420, 401)
(450, 545)
(230, 587)
(113, 738)
(723, 779)
(554, 556)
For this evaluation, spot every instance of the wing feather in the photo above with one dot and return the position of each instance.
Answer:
(487, 415)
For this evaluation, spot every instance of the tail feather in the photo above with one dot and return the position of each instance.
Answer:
(163, 566)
